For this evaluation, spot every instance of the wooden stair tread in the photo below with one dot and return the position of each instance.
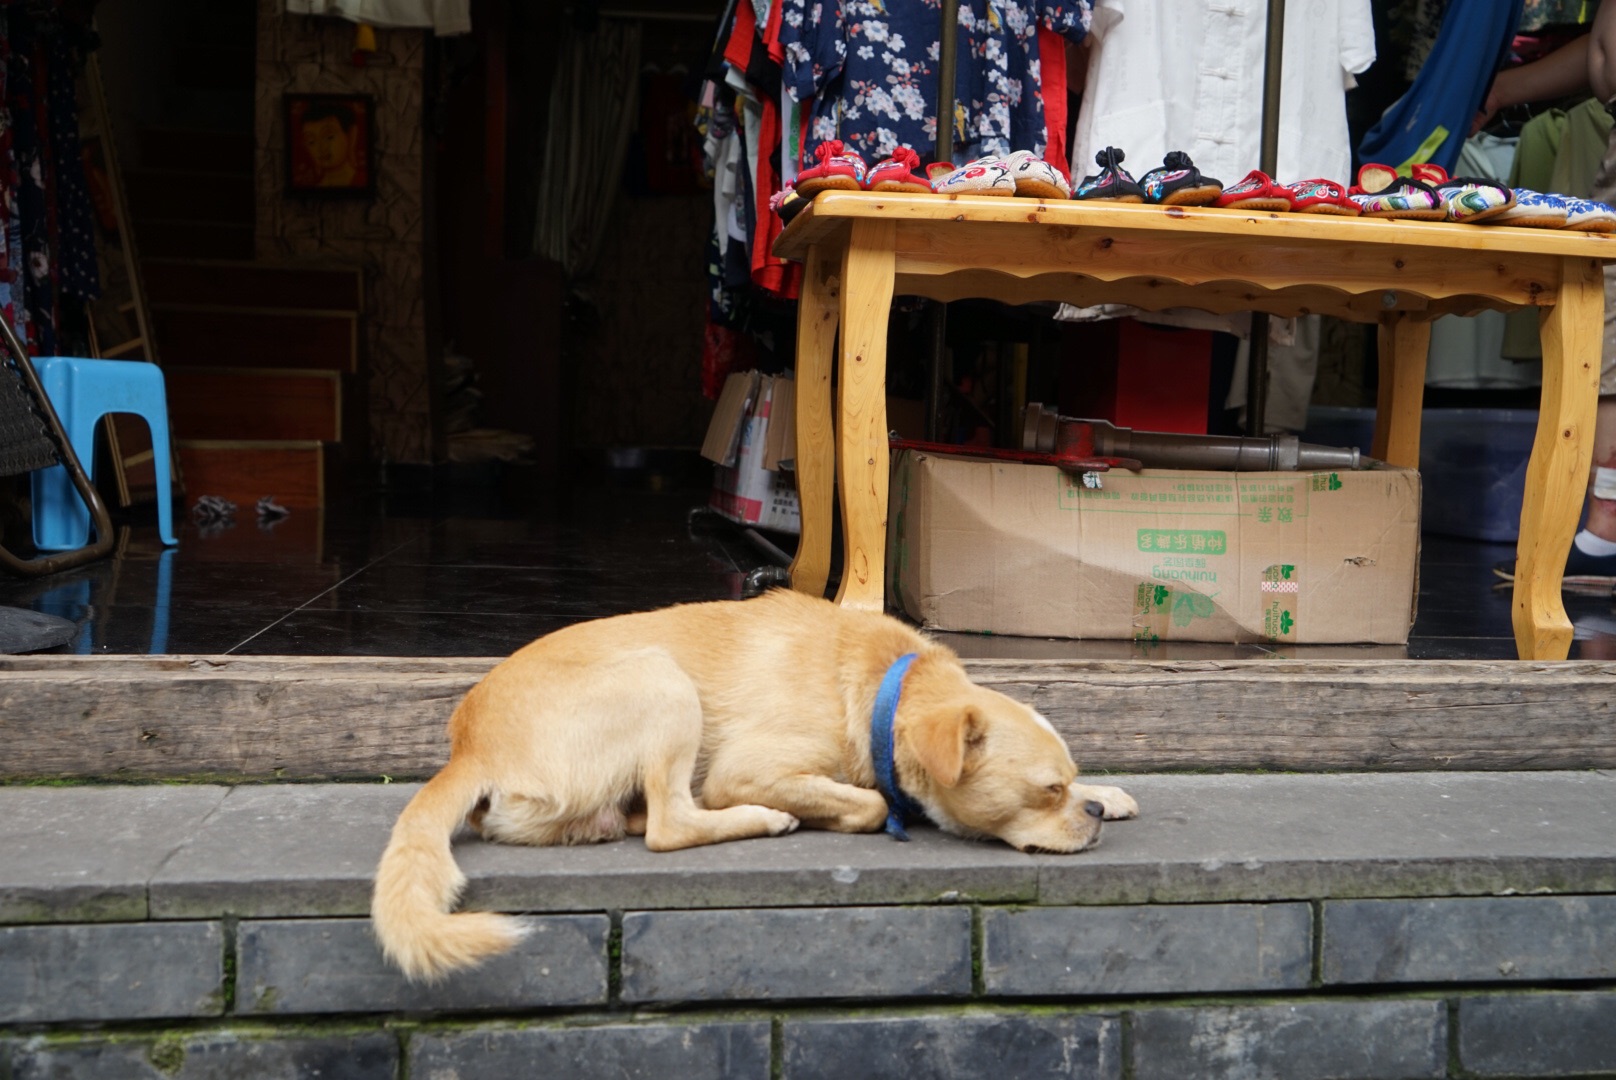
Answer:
(192, 283)
(210, 336)
(206, 403)
(294, 472)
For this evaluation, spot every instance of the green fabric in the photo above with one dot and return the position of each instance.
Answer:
(1559, 153)
(1582, 147)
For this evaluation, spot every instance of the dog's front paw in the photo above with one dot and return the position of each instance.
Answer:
(1119, 805)
(780, 822)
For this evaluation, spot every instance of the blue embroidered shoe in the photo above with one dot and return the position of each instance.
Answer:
(1585, 215)
(1112, 183)
(1533, 210)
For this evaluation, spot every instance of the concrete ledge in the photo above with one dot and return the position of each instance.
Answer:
(1379, 925)
(308, 850)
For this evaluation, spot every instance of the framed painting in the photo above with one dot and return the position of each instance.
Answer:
(330, 145)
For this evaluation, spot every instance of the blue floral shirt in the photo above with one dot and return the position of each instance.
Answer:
(870, 68)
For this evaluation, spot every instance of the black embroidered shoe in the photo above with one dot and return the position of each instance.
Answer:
(1112, 184)
(1179, 183)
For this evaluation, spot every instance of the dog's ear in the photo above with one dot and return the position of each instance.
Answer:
(943, 739)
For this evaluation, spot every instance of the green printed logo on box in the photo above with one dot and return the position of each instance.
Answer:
(1326, 482)
(1281, 588)
(1182, 605)
(1204, 541)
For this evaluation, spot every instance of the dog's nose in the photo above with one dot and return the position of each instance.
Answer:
(1094, 809)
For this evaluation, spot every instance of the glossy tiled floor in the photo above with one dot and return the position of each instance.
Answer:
(477, 574)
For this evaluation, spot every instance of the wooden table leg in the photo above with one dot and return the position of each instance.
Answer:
(1557, 474)
(816, 448)
(861, 416)
(1404, 345)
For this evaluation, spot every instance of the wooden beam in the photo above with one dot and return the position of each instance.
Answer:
(309, 718)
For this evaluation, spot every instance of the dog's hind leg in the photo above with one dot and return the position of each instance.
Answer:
(672, 734)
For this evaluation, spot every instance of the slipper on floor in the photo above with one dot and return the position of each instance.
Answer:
(984, 176)
(839, 169)
(1036, 178)
(1112, 183)
(1179, 183)
(1256, 192)
(1471, 199)
(1586, 215)
(1401, 198)
(1534, 210)
(1320, 197)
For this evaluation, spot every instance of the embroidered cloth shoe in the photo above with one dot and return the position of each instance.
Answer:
(1036, 178)
(899, 173)
(1533, 210)
(1179, 183)
(1320, 197)
(1586, 215)
(1112, 183)
(1400, 198)
(1373, 178)
(984, 176)
(1471, 199)
(839, 169)
(1257, 191)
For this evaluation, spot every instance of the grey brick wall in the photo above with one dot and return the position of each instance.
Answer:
(1023, 1046)
(1487, 939)
(796, 953)
(221, 1055)
(1199, 948)
(111, 971)
(1319, 1040)
(1570, 1034)
(694, 1051)
(334, 965)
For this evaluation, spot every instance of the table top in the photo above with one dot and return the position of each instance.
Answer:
(832, 211)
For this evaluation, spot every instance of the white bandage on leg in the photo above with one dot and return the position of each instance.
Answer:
(1604, 483)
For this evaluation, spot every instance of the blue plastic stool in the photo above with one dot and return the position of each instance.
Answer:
(82, 392)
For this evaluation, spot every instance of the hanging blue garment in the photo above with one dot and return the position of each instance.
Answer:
(1432, 120)
(870, 69)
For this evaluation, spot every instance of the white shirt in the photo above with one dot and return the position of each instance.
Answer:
(1188, 75)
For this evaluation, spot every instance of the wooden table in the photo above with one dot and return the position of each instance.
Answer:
(860, 249)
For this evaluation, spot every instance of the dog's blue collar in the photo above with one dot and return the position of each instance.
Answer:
(899, 805)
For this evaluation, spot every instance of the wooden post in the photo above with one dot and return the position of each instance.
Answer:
(861, 417)
(817, 315)
(1557, 474)
(1404, 345)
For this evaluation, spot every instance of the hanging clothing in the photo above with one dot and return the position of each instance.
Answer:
(443, 16)
(1431, 121)
(1537, 14)
(1189, 76)
(870, 67)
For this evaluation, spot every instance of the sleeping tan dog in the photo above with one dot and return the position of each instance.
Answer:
(720, 721)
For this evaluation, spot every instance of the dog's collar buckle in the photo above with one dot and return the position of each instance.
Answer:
(899, 805)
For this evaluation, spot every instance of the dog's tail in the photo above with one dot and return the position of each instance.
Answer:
(418, 883)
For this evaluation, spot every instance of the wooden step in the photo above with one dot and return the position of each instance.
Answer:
(245, 470)
(171, 194)
(171, 238)
(223, 151)
(214, 65)
(200, 335)
(194, 282)
(254, 403)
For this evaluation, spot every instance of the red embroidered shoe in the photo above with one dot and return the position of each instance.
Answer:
(899, 173)
(838, 170)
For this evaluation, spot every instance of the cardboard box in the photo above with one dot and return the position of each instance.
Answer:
(1297, 558)
(746, 436)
